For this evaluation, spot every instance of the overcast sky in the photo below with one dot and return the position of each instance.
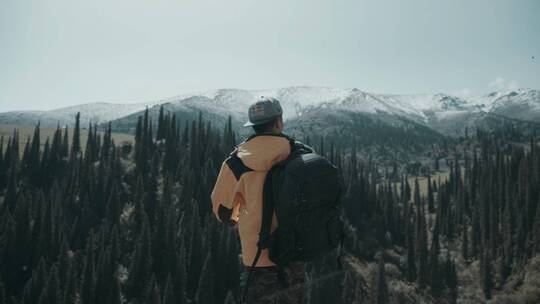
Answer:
(57, 53)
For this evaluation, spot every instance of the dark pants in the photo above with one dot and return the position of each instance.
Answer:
(268, 286)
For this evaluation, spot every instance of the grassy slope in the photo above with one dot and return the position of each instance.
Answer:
(26, 132)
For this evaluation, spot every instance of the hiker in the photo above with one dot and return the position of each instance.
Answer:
(241, 197)
(237, 199)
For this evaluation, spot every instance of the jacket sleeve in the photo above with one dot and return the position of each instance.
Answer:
(225, 197)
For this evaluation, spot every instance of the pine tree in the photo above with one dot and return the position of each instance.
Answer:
(451, 279)
(475, 239)
(536, 230)
(88, 284)
(230, 298)
(115, 245)
(76, 142)
(504, 268)
(34, 158)
(65, 143)
(151, 196)
(10, 198)
(229, 136)
(70, 287)
(381, 287)
(423, 270)
(104, 276)
(196, 251)
(54, 291)
(44, 297)
(89, 156)
(431, 199)
(2, 289)
(465, 243)
(107, 143)
(486, 274)
(153, 293)
(205, 291)
(180, 275)
(417, 199)
(411, 256)
(436, 279)
(33, 288)
(161, 125)
(140, 270)
(170, 158)
(115, 295)
(168, 296)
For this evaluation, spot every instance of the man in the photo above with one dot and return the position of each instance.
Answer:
(237, 199)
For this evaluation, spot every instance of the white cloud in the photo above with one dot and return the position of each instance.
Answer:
(501, 84)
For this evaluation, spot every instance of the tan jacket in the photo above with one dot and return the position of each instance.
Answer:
(238, 192)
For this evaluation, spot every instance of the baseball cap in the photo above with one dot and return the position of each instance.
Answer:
(263, 110)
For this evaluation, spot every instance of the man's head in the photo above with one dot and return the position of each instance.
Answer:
(265, 116)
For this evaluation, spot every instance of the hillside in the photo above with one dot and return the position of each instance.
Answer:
(134, 225)
(25, 134)
(91, 112)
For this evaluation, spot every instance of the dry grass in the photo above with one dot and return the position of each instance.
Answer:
(422, 181)
(26, 133)
(528, 292)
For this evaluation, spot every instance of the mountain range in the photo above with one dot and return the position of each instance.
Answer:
(443, 113)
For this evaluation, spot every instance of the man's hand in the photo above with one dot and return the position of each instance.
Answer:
(225, 215)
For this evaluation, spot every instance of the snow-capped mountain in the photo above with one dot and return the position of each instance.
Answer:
(519, 104)
(298, 100)
(443, 113)
(218, 105)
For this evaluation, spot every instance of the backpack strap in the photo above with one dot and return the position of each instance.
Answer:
(266, 224)
(268, 210)
(236, 165)
(303, 148)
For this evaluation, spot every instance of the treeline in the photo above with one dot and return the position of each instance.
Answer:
(116, 224)
(486, 211)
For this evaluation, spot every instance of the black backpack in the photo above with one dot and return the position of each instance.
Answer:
(304, 190)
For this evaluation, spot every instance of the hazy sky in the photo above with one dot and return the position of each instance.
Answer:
(63, 52)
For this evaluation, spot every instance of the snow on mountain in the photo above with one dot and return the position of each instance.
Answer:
(90, 112)
(296, 100)
(521, 104)
(100, 112)
(437, 106)
(441, 112)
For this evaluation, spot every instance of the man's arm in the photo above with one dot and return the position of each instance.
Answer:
(224, 196)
